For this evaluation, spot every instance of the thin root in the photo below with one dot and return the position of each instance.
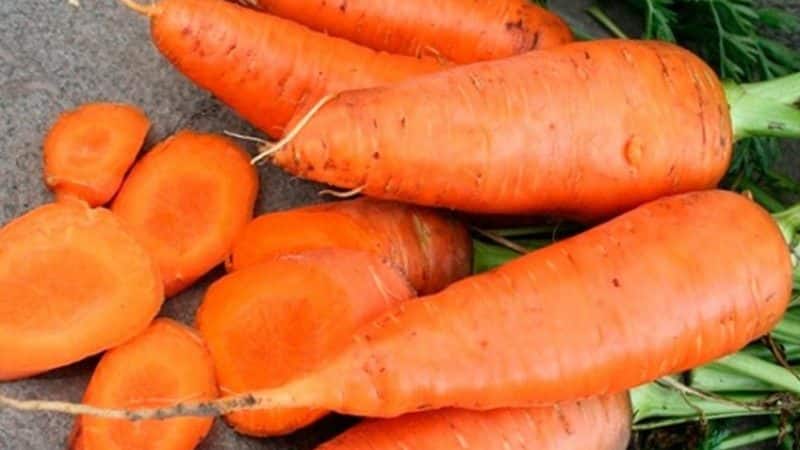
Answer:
(511, 245)
(146, 10)
(339, 194)
(271, 150)
(245, 137)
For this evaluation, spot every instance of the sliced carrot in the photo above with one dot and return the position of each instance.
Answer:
(187, 200)
(74, 283)
(602, 423)
(273, 321)
(166, 364)
(89, 149)
(430, 248)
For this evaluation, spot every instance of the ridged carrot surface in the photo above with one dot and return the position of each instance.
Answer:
(431, 249)
(584, 130)
(463, 31)
(602, 423)
(266, 67)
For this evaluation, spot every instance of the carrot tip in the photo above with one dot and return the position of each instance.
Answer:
(146, 10)
(269, 150)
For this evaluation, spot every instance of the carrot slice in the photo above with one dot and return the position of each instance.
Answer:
(89, 149)
(187, 200)
(74, 283)
(164, 365)
(268, 323)
(431, 249)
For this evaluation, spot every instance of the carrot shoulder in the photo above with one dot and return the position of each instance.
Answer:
(74, 283)
(431, 249)
(275, 320)
(88, 150)
(266, 67)
(601, 423)
(587, 130)
(166, 364)
(463, 31)
(186, 200)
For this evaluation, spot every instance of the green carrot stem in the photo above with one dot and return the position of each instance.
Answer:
(601, 17)
(791, 351)
(761, 196)
(752, 437)
(788, 329)
(719, 379)
(765, 108)
(761, 370)
(487, 256)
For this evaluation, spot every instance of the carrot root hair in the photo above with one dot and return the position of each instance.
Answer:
(248, 138)
(269, 150)
(149, 10)
(342, 194)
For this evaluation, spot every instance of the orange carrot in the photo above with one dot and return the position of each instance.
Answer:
(74, 283)
(265, 67)
(429, 248)
(166, 364)
(89, 149)
(271, 322)
(463, 31)
(602, 423)
(585, 130)
(671, 285)
(187, 200)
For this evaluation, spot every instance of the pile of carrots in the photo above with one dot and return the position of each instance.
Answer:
(369, 306)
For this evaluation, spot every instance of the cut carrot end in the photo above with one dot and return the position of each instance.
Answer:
(269, 150)
(146, 10)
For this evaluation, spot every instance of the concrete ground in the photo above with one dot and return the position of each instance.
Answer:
(54, 56)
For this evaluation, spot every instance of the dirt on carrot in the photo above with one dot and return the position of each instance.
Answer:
(462, 31)
(89, 149)
(430, 248)
(602, 423)
(187, 200)
(273, 321)
(602, 127)
(266, 67)
(166, 364)
(74, 283)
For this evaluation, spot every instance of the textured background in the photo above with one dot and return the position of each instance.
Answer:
(54, 56)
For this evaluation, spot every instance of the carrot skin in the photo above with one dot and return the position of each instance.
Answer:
(165, 364)
(462, 31)
(89, 149)
(275, 320)
(671, 285)
(586, 130)
(602, 423)
(265, 67)
(431, 249)
(67, 271)
(186, 201)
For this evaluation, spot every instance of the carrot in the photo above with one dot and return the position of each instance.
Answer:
(668, 286)
(262, 66)
(429, 248)
(463, 31)
(187, 200)
(88, 150)
(166, 364)
(74, 283)
(602, 423)
(586, 130)
(273, 321)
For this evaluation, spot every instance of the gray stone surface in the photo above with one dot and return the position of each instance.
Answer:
(54, 56)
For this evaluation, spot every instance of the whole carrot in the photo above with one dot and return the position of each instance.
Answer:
(276, 320)
(463, 31)
(430, 249)
(75, 282)
(671, 285)
(186, 201)
(602, 423)
(585, 130)
(89, 149)
(165, 364)
(262, 66)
